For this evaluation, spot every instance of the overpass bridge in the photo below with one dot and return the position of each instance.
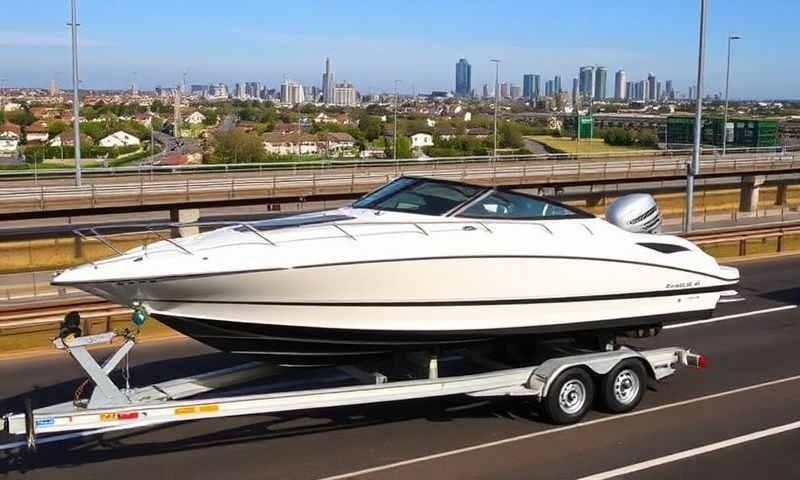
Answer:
(283, 185)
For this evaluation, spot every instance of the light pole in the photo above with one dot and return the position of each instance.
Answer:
(496, 102)
(76, 124)
(394, 137)
(731, 38)
(693, 166)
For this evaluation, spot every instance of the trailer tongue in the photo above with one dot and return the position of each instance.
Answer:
(565, 384)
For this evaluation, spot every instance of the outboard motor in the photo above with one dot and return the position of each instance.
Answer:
(635, 213)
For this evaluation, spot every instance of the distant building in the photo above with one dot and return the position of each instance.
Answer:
(600, 82)
(575, 92)
(195, 118)
(218, 90)
(527, 85)
(548, 88)
(586, 82)
(328, 84)
(651, 87)
(9, 138)
(485, 90)
(668, 91)
(630, 91)
(463, 78)
(292, 93)
(67, 139)
(557, 84)
(504, 93)
(421, 139)
(36, 132)
(515, 91)
(658, 92)
(119, 139)
(619, 85)
(290, 144)
(253, 89)
(53, 90)
(344, 95)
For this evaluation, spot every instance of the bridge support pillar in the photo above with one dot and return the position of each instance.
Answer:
(750, 189)
(782, 196)
(184, 215)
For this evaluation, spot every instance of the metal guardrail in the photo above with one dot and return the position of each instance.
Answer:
(327, 164)
(360, 180)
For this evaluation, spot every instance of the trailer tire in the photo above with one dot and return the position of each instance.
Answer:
(623, 387)
(569, 397)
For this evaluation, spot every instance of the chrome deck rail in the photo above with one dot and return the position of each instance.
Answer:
(346, 228)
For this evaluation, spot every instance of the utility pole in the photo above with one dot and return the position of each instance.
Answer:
(731, 38)
(693, 166)
(496, 102)
(76, 110)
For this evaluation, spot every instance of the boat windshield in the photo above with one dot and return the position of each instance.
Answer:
(419, 195)
(515, 206)
(293, 221)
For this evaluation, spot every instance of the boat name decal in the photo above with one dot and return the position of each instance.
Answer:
(684, 284)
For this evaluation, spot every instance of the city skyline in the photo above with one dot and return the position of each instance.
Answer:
(34, 42)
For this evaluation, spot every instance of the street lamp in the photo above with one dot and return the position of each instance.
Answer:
(693, 165)
(76, 124)
(731, 38)
(496, 102)
(394, 137)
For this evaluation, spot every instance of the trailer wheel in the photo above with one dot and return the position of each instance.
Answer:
(622, 388)
(569, 397)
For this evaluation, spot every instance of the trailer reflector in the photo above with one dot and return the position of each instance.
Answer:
(197, 409)
(112, 417)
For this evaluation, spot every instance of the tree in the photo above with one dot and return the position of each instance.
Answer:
(89, 113)
(403, 147)
(21, 118)
(510, 135)
(211, 116)
(55, 127)
(237, 146)
(371, 126)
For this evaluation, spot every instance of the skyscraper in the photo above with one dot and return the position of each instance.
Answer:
(548, 88)
(630, 91)
(515, 91)
(658, 92)
(504, 90)
(601, 80)
(669, 93)
(328, 84)
(54, 90)
(292, 93)
(463, 78)
(537, 86)
(651, 87)
(527, 85)
(557, 84)
(620, 85)
(344, 95)
(586, 85)
(575, 91)
(485, 90)
(239, 91)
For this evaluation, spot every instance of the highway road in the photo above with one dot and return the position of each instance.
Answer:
(736, 419)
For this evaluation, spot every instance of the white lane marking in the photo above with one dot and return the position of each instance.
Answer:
(637, 467)
(527, 436)
(730, 317)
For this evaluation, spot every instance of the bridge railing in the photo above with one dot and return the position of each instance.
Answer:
(358, 180)
(328, 164)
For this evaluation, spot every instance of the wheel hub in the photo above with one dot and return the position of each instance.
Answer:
(572, 397)
(626, 387)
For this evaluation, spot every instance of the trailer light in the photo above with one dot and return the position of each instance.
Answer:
(128, 416)
(694, 360)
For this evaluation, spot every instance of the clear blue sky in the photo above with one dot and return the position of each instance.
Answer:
(372, 43)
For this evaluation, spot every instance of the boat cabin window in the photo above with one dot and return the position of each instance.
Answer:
(507, 205)
(420, 196)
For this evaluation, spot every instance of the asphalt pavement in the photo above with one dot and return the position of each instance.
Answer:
(739, 418)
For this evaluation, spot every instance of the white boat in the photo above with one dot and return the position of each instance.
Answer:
(419, 263)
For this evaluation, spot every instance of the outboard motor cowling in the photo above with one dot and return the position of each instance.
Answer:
(635, 213)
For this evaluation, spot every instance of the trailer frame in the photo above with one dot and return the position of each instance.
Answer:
(111, 407)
